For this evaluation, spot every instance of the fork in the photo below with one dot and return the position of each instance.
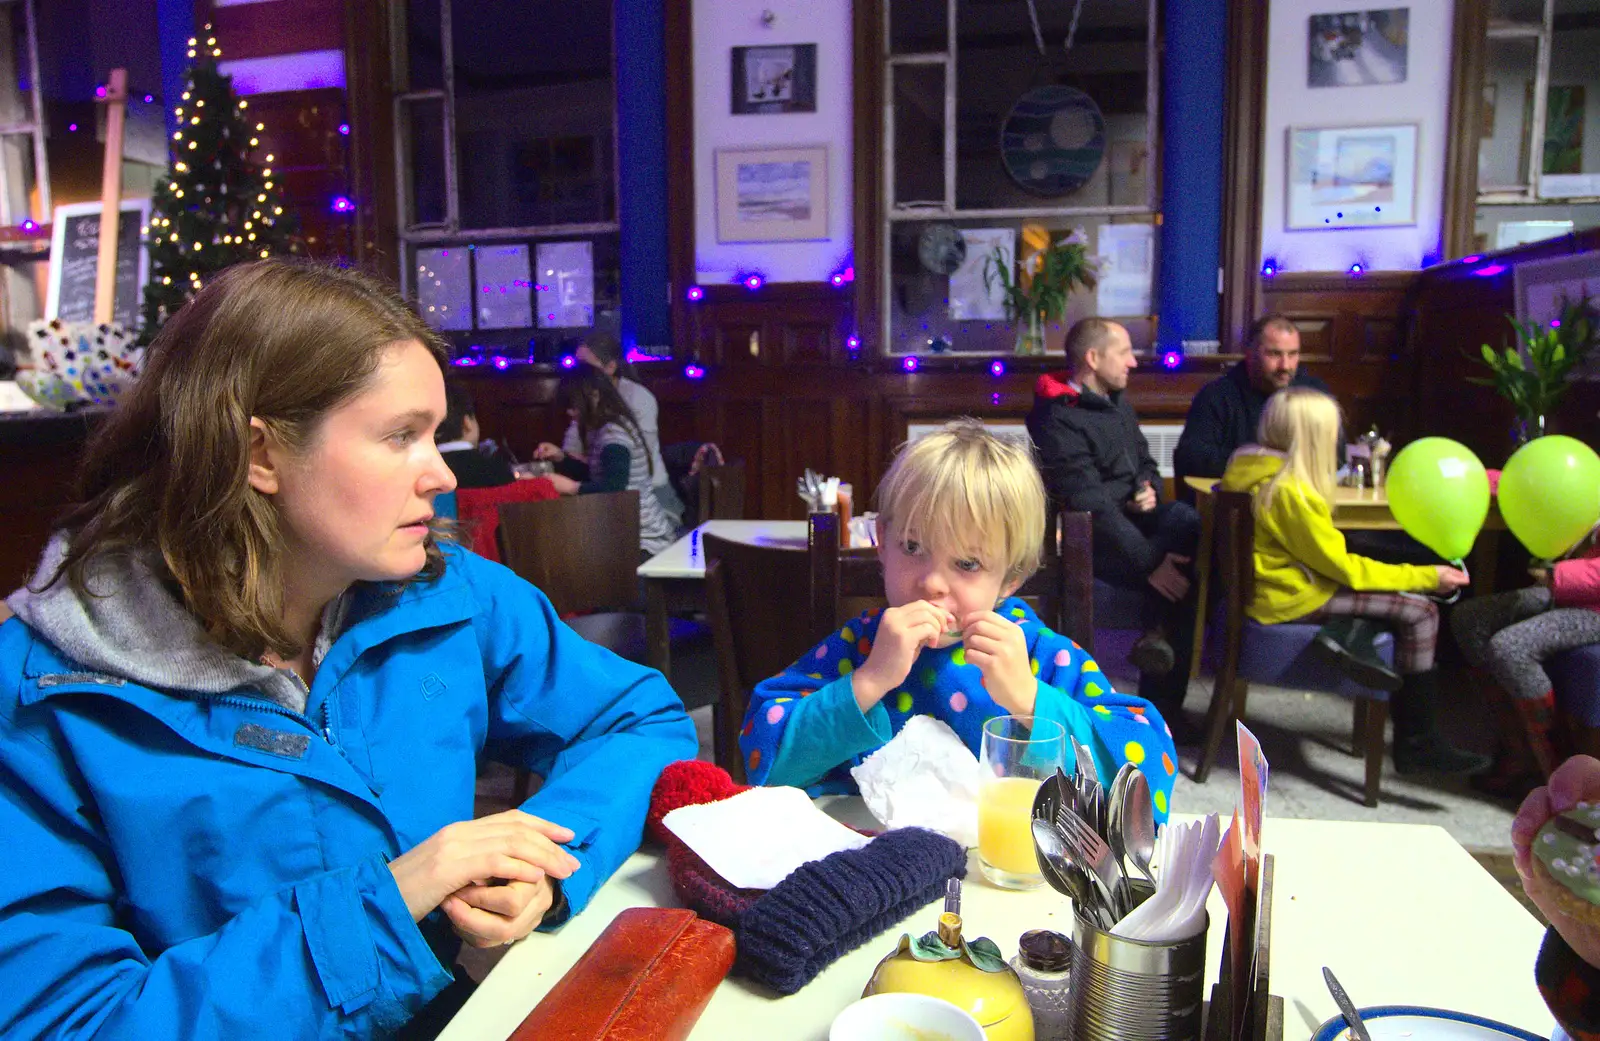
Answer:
(1091, 848)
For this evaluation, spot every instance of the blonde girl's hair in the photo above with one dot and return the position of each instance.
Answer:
(1304, 425)
(965, 489)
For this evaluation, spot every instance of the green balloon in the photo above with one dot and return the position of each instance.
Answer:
(1439, 492)
(1550, 494)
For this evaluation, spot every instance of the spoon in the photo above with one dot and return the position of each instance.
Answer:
(1115, 838)
(1064, 874)
(1138, 823)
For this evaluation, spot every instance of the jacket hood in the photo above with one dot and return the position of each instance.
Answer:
(1250, 467)
(133, 627)
(1060, 386)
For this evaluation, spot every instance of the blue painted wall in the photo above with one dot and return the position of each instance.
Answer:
(642, 171)
(1193, 99)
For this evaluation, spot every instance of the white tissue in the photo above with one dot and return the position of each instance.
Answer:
(924, 778)
(756, 838)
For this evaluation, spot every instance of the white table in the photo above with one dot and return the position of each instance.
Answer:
(1400, 912)
(674, 579)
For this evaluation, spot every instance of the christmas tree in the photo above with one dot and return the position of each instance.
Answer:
(217, 206)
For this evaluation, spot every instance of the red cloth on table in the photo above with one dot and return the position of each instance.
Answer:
(478, 511)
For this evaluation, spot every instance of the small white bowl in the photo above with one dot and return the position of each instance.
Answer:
(904, 1017)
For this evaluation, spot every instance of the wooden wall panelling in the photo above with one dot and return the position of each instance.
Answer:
(374, 229)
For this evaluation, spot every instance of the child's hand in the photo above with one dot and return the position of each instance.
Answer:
(998, 648)
(902, 634)
(1576, 779)
(549, 452)
(563, 484)
(1450, 578)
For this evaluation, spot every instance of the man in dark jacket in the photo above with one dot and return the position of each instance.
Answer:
(458, 437)
(1225, 413)
(1094, 458)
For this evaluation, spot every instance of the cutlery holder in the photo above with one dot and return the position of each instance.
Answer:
(1125, 988)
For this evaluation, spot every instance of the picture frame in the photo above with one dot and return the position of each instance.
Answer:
(773, 80)
(1351, 176)
(1358, 48)
(772, 194)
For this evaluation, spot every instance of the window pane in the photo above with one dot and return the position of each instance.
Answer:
(919, 134)
(1521, 12)
(424, 51)
(1508, 72)
(945, 286)
(504, 288)
(1037, 129)
(918, 26)
(422, 124)
(16, 71)
(444, 287)
(1501, 227)
(534, 103)
(1573, 102)
(16, 178)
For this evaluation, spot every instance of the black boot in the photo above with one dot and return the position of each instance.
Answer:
(1348, 642)
(1419, 748)
(1153, 656)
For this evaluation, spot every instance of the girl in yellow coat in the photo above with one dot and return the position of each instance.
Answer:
(1304, 573)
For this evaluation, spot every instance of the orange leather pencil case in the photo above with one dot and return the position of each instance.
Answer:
(646, 978)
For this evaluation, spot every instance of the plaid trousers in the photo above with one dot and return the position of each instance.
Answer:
(1414, 618)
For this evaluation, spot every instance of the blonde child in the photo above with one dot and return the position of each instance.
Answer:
(960, 528)
(1305, 573)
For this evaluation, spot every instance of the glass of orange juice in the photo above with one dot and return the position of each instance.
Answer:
(1017, 754)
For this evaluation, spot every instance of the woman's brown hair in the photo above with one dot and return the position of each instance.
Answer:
(278, 341)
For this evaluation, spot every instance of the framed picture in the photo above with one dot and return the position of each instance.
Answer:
(1358, 48)
(772, 194)
(774, 80)
(1359, 176)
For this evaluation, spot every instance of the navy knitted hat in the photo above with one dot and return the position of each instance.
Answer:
(822, 910)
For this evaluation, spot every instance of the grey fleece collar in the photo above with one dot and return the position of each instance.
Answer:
(134, 628)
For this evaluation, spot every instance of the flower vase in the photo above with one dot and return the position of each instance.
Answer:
(1030, 337)
(1528, 428)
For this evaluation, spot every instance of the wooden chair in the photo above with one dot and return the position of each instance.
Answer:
(1060, 591)
(1274, 654)
(1108, 607)
(722, 491)
(751, 594)
(581, 552)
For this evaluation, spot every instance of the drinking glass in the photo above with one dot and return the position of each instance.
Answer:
(1017, 754)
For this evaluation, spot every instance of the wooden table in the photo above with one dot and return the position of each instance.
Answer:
(1354, 509)
(1400, 912)
(674, 579)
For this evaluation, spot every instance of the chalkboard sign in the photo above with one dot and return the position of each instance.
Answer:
(75, 251)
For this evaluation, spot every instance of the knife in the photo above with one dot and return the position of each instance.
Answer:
(1358, 1029)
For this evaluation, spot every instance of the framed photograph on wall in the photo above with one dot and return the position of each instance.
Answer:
(772, 194)
(1353, 176)
(1358, 48)
(774, 80)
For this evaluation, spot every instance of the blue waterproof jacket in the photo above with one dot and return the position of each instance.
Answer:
(179, 865)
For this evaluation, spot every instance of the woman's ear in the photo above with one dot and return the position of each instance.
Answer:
(266, 459)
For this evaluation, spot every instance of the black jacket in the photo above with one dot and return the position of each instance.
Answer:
(1094, 458)
(1223, 416)
(474, 469)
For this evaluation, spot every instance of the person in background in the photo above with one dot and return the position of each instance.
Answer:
(458, 438)
(1226, 412)
(1511, 635)
(1095, 459)
(602, 350)
(245, 695)
(614, 457)
(1568, 967)
(1304, 572)
(960, 528)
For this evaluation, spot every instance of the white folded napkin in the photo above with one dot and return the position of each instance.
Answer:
(925, 777)
(1176, 911)
(756, 838)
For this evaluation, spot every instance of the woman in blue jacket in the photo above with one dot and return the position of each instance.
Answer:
(244, 696)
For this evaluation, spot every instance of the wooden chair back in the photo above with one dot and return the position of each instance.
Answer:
(751, 594)
(582, 551)
(722, 491)
(1234, 570)
(1061, 591)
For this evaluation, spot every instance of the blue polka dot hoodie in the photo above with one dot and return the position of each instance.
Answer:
(803, 726)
